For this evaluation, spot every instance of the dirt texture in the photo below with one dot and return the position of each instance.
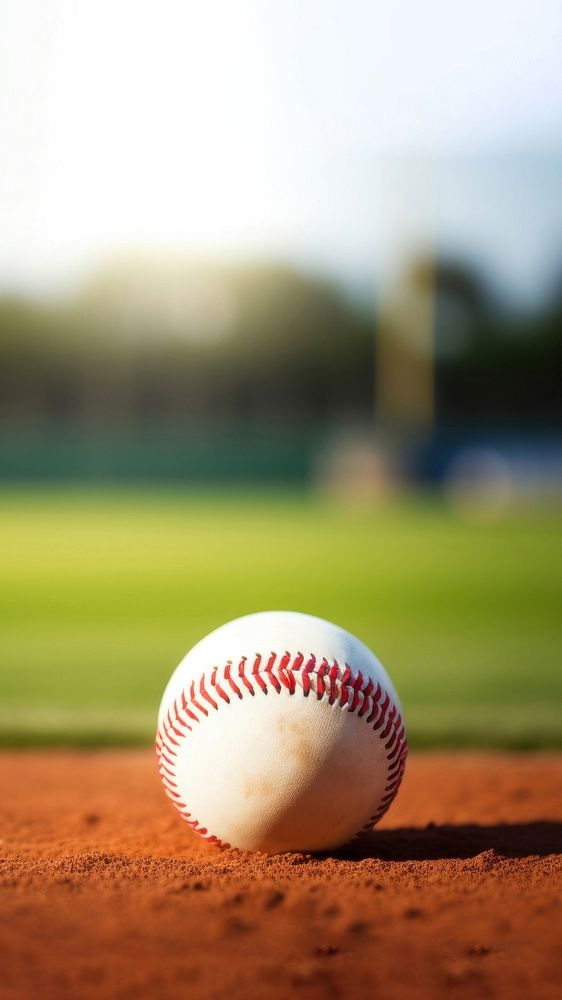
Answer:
(107, 893)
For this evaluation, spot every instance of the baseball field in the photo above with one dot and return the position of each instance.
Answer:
(101, 594)
(107, 893)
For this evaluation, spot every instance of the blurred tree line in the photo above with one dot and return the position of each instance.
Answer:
(173, 344)
(146, 344)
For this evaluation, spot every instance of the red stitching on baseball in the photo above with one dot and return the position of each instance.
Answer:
(320, 685)
(384, 708)
(186, 708)
(356, 688)
(284, 661)
(221, 693)
(181, 722)
(353, 694)
(390, 718)
(287, 676)
(228, 677)
(198, 705)
(205, 694)
(376, 698)
(344, 698)
(269, 672)
(333, 675)
(366, 692)
(297, 662)
(256, 674)
(390, 743)
(397, 750)
(306, 672)
(242, 675)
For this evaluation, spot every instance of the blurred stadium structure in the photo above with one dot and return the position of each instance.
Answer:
(179, 370)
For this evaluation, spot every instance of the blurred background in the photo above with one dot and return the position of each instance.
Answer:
(280, 326)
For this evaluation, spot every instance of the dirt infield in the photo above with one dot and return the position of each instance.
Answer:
(106, 893)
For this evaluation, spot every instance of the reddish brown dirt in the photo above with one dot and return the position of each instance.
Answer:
(106, 893)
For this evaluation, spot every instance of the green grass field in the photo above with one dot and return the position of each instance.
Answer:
(102, 593)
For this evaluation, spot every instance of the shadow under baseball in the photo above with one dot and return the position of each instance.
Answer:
(433, 842)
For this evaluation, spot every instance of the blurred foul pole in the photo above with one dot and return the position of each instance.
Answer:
(405, 397)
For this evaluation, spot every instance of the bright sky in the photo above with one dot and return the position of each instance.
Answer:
(274, 126)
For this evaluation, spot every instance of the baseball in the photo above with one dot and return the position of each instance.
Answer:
(280, 732)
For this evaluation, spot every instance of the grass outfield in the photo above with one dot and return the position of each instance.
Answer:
(102, 593)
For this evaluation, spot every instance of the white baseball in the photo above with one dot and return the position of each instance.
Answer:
(280, 732)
